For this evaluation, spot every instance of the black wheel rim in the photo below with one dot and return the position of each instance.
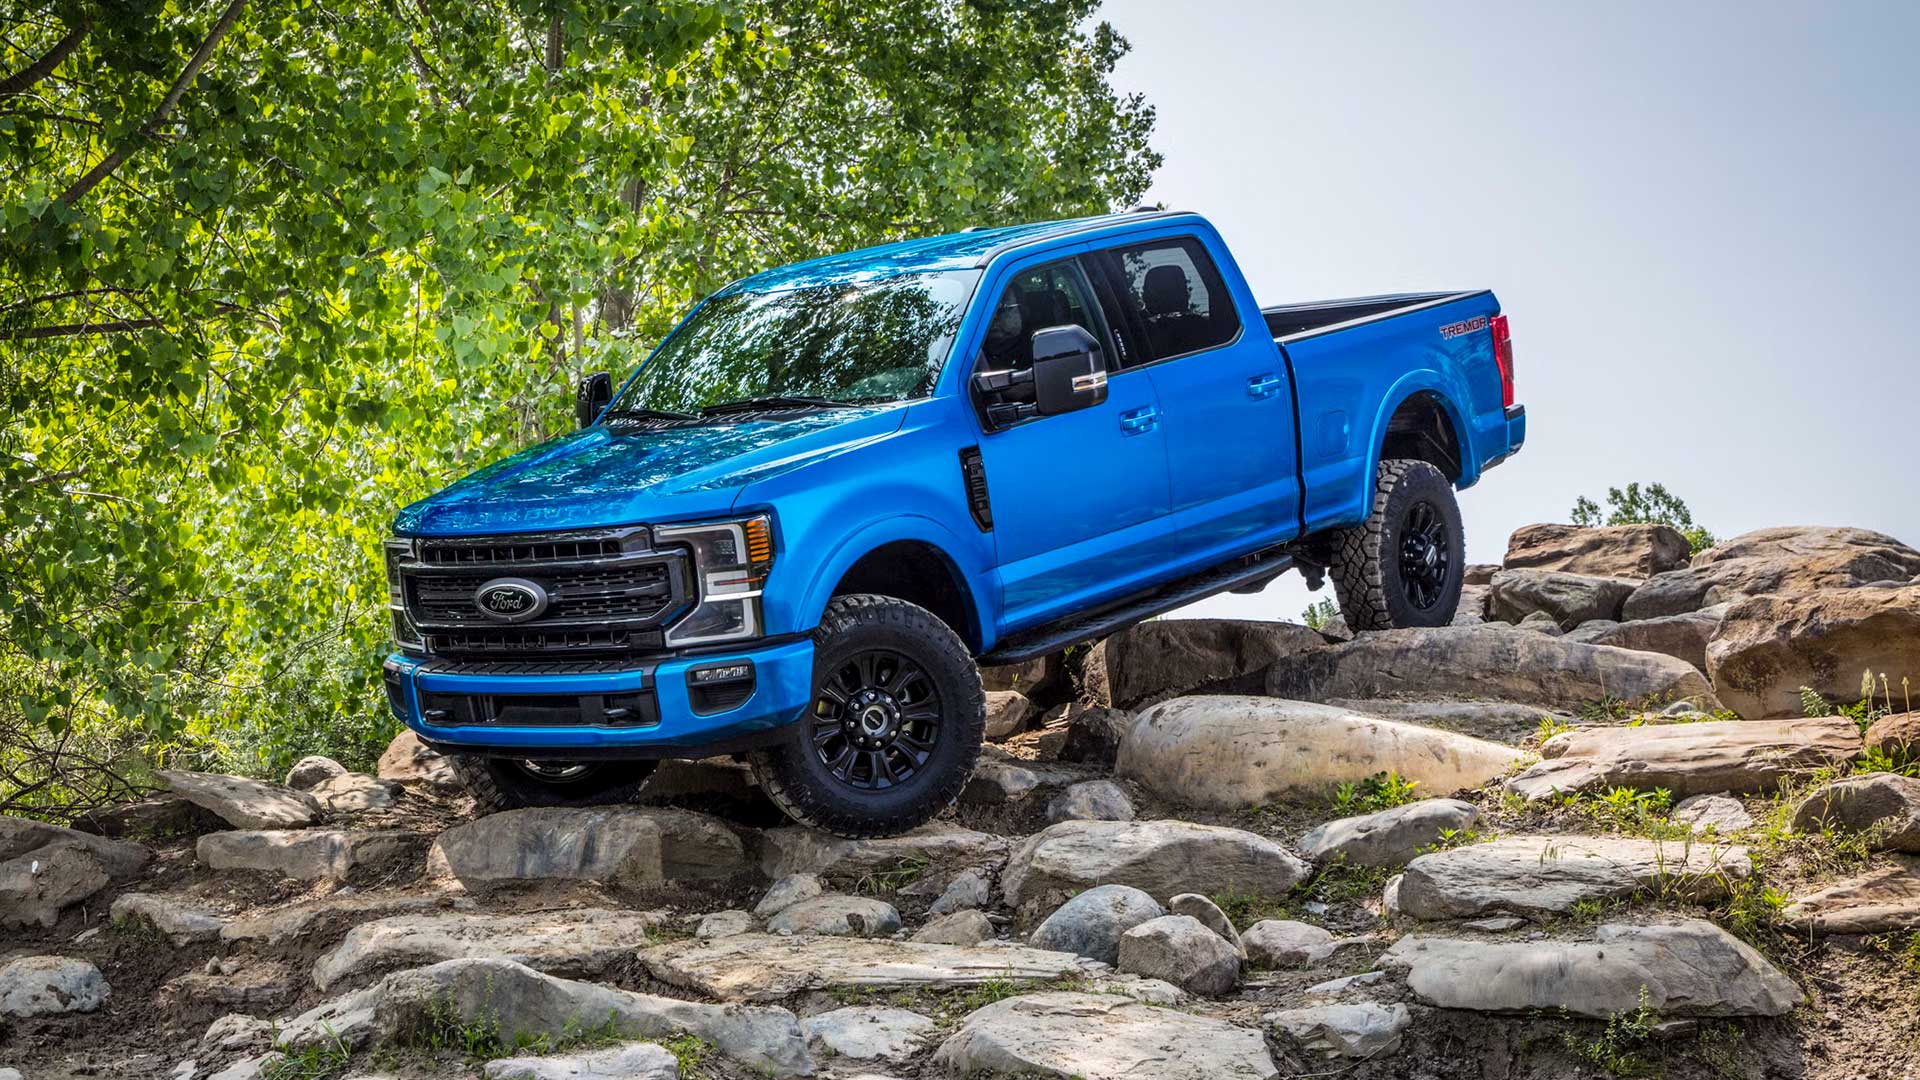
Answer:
(1425, 556)
(876, 720)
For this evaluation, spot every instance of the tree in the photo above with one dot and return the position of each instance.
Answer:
(1653, 505)
(270, 269)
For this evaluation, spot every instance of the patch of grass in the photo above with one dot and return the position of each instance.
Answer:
(1244, 909)
(904, 872)
(691, 1053)
(1381, 791)
(1549, 726)
(1900, 762)
(1620, 1047)
(1607, 710)
(481, 1037)
(319, 1061)
(1632, 812)
(1453, 838)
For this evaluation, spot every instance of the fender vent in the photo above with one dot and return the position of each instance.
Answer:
(974, 472)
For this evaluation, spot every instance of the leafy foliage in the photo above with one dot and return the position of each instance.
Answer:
(1381, 791)
(1652, 505)
(270, 270)
(1319, 613)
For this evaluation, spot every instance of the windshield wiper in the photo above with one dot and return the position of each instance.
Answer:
(777, 401)
(648, 414)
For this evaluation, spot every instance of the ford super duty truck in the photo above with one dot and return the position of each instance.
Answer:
(837, 487)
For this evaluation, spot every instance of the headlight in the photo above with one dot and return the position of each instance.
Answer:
(405, 634)
(731, 560)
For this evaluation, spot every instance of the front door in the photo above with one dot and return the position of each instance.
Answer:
(1078, 497)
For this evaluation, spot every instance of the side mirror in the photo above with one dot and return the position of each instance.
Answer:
(594, 395)
(1069, 371)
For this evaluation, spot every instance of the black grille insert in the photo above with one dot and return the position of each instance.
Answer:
(633, 709)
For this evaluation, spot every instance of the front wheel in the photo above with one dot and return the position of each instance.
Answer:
(1404, 565)
(498, 783)
(895, 727)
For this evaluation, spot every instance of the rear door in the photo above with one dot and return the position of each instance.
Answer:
(1077, 498)
(1224, 397)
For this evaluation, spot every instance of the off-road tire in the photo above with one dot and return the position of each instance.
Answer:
(1366, 567)
(501, 784)
(792, 773)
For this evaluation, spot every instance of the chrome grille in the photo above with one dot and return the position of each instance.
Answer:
(608, 591)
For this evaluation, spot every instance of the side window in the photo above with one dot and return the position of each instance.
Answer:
(1171, 297)
(1052, 295)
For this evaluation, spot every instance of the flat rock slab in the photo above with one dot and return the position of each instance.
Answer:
(795, 850)
(309, 854)
(1628, 551)
(328, 916)
(244, 803)
(635, 846)
(578, 943)
(1161, 858)
(766, 968)
(1491, 662)
(631, 1061)
(1546, 875)
(1745, 757)
(1686, 968)
(869, 1033)
(1230, 752)
(183, 921)
(515, 998)
(1882, 900)
(1101, 1037)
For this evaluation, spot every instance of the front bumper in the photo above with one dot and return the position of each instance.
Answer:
(441, 701)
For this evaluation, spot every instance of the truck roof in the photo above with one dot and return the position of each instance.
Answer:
(954, 251)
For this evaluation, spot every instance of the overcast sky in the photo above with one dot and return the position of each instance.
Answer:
(1701, 219)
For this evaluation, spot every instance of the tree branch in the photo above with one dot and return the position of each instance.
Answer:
(146, 131)
(21, 81)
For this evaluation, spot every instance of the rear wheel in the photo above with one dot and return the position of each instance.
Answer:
(895, 728)
(510, 783)
(1404, 565)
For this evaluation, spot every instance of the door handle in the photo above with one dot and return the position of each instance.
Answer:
(1264, 385)
(1136, 421)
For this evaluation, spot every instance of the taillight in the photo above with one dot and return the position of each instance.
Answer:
(1503, 357)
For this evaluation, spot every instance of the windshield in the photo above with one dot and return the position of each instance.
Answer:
(860, 343)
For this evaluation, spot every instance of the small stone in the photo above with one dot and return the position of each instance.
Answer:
(1209, 914)
(959, 928)
(1721, 815)
(47, 985)
(787, 892)
(1092, 923)
(1499, 924)
(311, 770)
(836, 915)
(968, 889)
(309, 854)
(1885, 806)
(724, 924)
(1282, 943)
(1359, 1030)
(1007, 713)
(1181, 950)
(867, 1033)
(1345, 983)
(1389, 838)
(1091, 800)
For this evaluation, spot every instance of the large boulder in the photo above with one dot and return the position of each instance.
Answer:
(45, 985)
(1162, 658)
(1548, 875)
(1782, 560)
(578, 943)
(244, 803)
(1619, 551)
(1100, 1037)
(1500, 721)
(1493, 662)
(1229, 753)
(310, 854)
(768, 967)
(1160, 858)
(1388, 838)
(1768, 647)
(1882, 900)
(45, 869)
(516, 1000)
(1181, 950)
(1567, 599)
(410, 761)
(1747, 757)
(1686, 968)
(1896, 735)
(626, 845)
(1091, 923)
(1885, 806)
(1683, 637)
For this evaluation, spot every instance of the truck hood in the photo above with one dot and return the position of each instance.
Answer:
(610, 476)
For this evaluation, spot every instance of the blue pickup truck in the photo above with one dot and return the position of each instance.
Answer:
(838, 487)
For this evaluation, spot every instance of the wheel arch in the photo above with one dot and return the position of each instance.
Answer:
(1418, 419)
(907, 564)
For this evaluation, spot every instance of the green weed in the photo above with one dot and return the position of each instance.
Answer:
(319, 1061)
(1620, 1048)
(1381, 791)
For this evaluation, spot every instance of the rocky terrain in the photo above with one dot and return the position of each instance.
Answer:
(1633, 815)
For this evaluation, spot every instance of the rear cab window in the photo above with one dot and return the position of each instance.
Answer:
(1165, 297)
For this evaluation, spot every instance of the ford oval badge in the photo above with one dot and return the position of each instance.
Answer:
(510, 599)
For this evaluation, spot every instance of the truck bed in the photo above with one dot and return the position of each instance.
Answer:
(1293, 321)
